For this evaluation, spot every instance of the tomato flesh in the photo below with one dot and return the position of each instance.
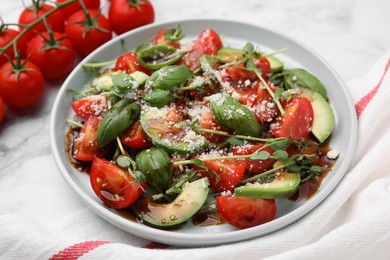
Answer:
(91, 106)
(208, 43)
(226, 173)
(207, 121)
(159, 38)
(297, 121)
(128, 63)
(246, 212)
(113, 184)
(135, 137)
(85, 145)
(255, 166)
(2, 109)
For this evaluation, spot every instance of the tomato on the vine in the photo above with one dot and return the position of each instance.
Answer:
(2, 109)
(52, 53)
(6, 36)
(87, 32)
(113, 184)
(125, 15)
(246, 212)
(21, 85)
(128, 63)
(56, 20)
(74, 7)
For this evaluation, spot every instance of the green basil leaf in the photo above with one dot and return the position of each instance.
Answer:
(158, 97)
(231, 114)
(157, 56)
(300, 78)
(120, 117)
(156, 165)
(248, 50)
(123, 83)
(169, 77)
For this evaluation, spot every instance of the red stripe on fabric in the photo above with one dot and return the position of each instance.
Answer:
(155, 245)
(364, 101)
(75, 251)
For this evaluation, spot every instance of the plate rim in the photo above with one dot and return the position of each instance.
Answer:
(190, 239)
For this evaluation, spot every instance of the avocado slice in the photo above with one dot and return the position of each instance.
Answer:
(284, 185)
(104, 80)
(139, 77)
(189, 201)
(276, 64)
(177, 138)
(324, 119)
(228, 54)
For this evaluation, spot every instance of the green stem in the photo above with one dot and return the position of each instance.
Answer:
(244, 137)
(123, 152)
(74, 123)
(266, 173)
(271, 93)
(274, 52)
(31, 25)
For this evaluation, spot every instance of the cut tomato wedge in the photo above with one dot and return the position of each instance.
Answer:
(255, 166)
(135, 137)
(94, 105)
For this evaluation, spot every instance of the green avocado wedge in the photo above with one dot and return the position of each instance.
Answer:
(189, 202)
(283, 186)
(324, 119)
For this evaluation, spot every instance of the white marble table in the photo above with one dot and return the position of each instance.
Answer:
(346, 33)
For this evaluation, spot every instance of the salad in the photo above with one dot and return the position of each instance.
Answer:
(177, 131)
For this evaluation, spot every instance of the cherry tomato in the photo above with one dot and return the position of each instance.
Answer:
(207, 121)
(297, 121)
(22, 91)
(113, 184)
(135, 137)
(246, 212)
(255, 166)
(128, 63)
(85, 146)
(159, 38)
(56, 20)
(226, 175)
(93, 105)
(264, 107)
(125, 15)
(6, 36)
(208, 43)
(74, 7)
(264, 66)
(84, 36)
(2, 109)
(55, 58)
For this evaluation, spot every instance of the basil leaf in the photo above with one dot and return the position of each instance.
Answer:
(120, 117)
(122, 83)
(248, 50)
(234, 116)
(158, 98)
(300, 78)
(156, 165)
(169, 77)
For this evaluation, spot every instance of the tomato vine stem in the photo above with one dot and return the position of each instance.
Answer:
(31, 25)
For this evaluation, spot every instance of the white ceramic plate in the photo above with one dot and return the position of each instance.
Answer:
(235, 34)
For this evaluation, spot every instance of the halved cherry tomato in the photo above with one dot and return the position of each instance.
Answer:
(128, 63)
(246, 212)
(113, 184)
(264, 66)
(90, 106)
(297, 121)
(207, 121)
(255, 166)
(159, 38)
(208, 43)
(229, 173)
(135, 137)
(264, 108)
(85, 146)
